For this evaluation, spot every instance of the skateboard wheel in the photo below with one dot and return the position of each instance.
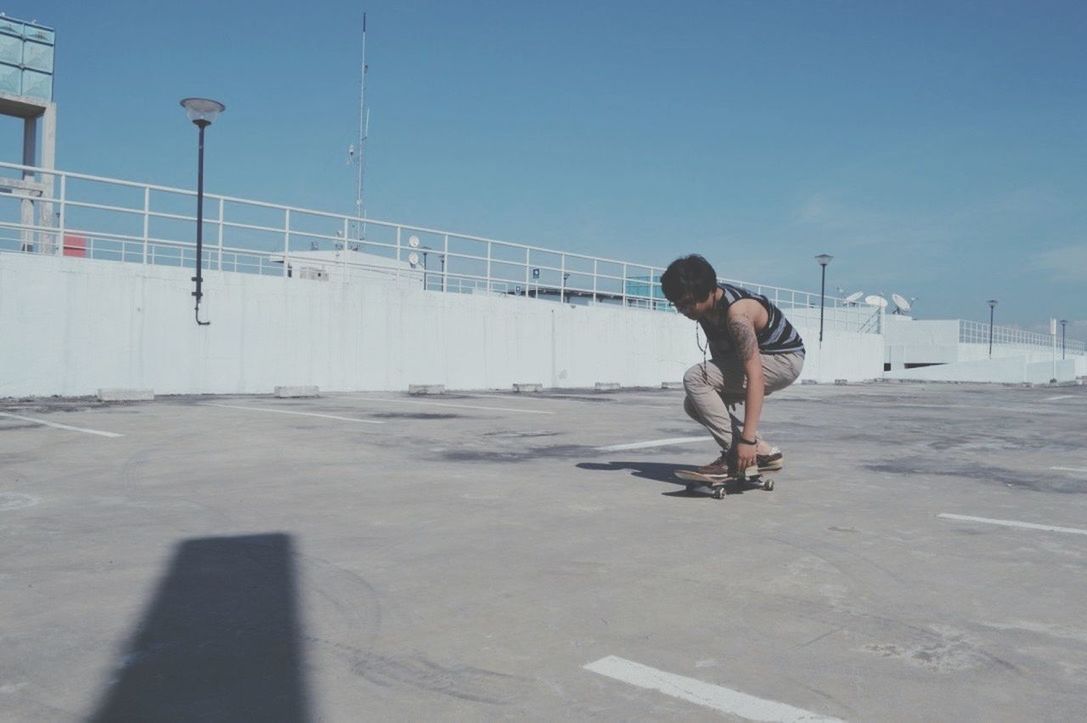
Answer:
(768, 485)
(719, 493)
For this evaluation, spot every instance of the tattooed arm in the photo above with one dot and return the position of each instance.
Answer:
(741, 327)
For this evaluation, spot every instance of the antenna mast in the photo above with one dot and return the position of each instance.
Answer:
(364, 129)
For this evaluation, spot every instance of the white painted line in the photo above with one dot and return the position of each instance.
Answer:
(62, 426)
(652, 443)
(716, 697)
(1013, 523)
(301, 414)
(984, 408)
(665, 396)
(1081, 470)
(1060, 396)
(542, 396)
(455, 406)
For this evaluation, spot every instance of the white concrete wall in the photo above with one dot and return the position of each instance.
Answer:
(937, 342)
(843, 355)
(1003, 370)
(70, 326)
(910, 341)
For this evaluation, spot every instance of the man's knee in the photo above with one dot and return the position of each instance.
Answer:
(691, 410)
(696, 378)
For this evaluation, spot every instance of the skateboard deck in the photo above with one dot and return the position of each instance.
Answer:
(717, 485)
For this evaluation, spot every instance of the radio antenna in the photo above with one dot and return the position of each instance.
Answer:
(358, 153)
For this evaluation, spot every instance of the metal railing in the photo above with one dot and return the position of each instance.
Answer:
(976, 332)
(76, 214)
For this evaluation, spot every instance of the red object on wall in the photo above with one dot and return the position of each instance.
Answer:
(75, 245)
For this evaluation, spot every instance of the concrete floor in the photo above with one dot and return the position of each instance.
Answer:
(466, 557)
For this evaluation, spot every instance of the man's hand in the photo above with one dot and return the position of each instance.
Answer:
(745, 456)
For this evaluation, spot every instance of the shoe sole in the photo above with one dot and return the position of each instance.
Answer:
(697, 476)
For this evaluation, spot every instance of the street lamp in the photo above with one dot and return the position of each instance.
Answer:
(992, 305)
(201, 112)
(1064, 323)
(823, 260)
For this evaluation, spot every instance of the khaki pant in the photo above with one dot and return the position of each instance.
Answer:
(720, 382)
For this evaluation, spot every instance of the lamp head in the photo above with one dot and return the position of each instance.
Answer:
(202, 111)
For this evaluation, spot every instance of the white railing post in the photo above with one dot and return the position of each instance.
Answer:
(398, 262)
(595, 275)
(146, 220)
(219, 262)
(63, 211)
(562, 278)
(343, 251)
(624, 284)
(489, 267)
(528, 270)
(286, 242)
(445, 264)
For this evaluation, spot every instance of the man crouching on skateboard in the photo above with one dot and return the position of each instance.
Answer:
(753, 351)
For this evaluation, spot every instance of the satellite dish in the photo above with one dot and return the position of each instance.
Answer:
(875, 300)
(413, 258)
(854, 297)
(413, 241)
(901, 302)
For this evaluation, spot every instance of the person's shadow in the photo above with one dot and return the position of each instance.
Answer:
(663, 472)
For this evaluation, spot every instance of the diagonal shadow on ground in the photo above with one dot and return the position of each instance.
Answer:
(219, 641)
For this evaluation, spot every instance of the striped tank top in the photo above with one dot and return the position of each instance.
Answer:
(779, 336)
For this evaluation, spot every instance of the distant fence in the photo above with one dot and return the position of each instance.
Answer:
(93, 217)
(975, 332)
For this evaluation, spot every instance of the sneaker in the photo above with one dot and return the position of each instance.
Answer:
(719, 468)
(771, 462)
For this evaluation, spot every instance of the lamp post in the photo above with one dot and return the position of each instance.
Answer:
(201, 111)
(1064, 323)
(992, 305)
(823, 260)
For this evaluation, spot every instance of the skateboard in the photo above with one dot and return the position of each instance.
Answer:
(717, 486)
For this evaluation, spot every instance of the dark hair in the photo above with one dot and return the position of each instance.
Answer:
(688, 277)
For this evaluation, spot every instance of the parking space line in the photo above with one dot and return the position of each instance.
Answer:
(1081, 470)
(62, 426)
(652, 443)
(708, 695)
(617, 396)
(1059, 396)
(592, 395)
(511, 396)
(448, 404)
(1013, 523)
(301, 414)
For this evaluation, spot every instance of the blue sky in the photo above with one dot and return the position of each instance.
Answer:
(936, 149)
